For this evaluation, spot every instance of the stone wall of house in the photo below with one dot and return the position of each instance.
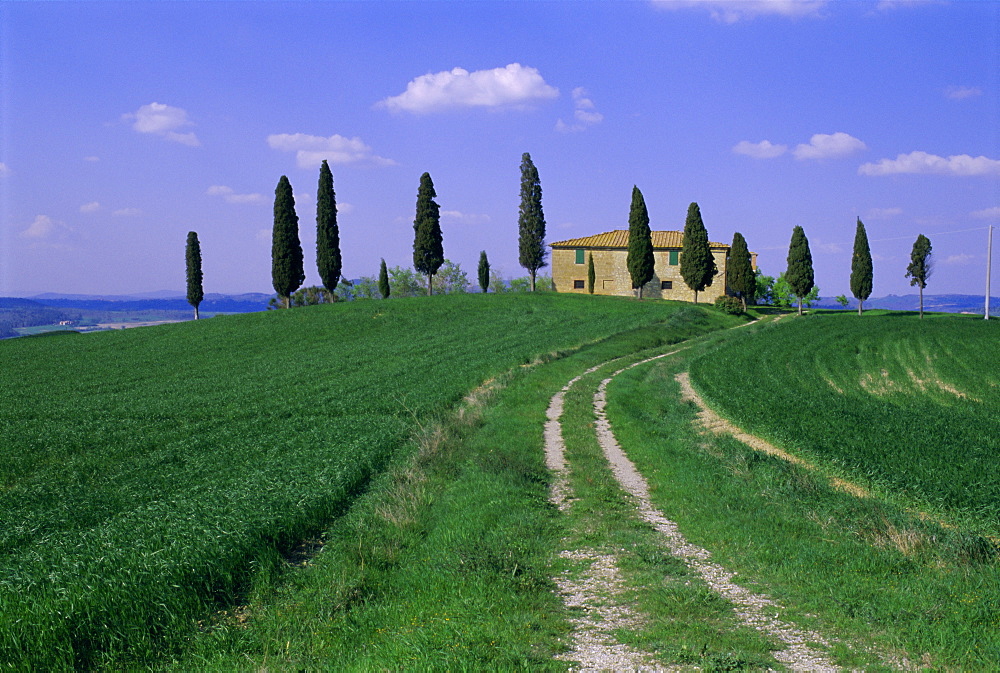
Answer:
(611, 275)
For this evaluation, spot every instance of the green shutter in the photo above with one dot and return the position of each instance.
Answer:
(673, 257)
(579, 256)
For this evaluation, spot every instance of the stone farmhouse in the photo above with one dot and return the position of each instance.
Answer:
(610, 251)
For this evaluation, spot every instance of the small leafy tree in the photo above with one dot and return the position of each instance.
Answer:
(404, 282)
(531, 220)
(287, 272)
(195, 291)
(800, 270)
(783, 296)
(740, 277)
(328, 260)
(919, 269)
(428, 247)
(591, 274)
(312, 296)
(484, 272)
(697, 262)
(383, 281)
(861, 267)
(842, 300)
(764, 291)
(639, 260)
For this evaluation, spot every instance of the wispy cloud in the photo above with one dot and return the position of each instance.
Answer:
(987, 213)
(585, 115)
(732, 11)
(44, 228)
(4, 170)
(127, 212)
(310, 151)
(163, 120)
(922, 162)
(765, 149)
(230, 196)
(883, 213)
(829, 146)
(962, 92)
(91, 207)
(961, 259)
(510, 86)
(465, 218)
(92, 159)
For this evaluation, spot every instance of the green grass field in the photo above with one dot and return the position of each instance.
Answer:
(150, 477)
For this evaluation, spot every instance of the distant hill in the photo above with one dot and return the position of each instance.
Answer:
(156, 301)
(945, 303)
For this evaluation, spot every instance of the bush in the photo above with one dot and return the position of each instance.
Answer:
(730, 305)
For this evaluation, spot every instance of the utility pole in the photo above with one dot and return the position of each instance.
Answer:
(989, 255)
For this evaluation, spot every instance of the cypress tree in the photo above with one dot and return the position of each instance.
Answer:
(287, 272)
(328, 260)
(919, 269)
(800, 267)
(195, 291)
(740, 276)
(484, 272)
(640, 243)
(428, 247)
(530, 220)
(591, 274)
(383, 280)
(697, 262)
(861, 267)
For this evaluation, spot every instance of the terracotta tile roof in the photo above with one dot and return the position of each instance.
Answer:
(619, 239)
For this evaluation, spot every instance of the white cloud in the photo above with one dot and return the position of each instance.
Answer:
(127, 212)
(311, 150)
(828, 146)
(987, 213)
(585, 114)
(92, 159)
(163, 120)
(962, 92)
(231, 196)
(43, 227)
(829, 248)
(732, 11)
(345, 208)
(883, 213)
(464, 218)
(91, 207)
(4, 170)
(961, 259)
(512, 85)
(762, 150)
(922, 162)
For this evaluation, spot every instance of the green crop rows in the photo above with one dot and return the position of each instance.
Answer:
(904, 404)
(149, 476)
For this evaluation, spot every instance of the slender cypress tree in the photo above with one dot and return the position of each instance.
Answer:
(591, 274)
(861, 267)
(428, 247)
(484, 272)
(919, 269)
(531, 220)
(195, 291)
(383, 280)
(328, 260)
(697, 262)
(800, 266)
(640, 243)
(740, 277)
(287, 272)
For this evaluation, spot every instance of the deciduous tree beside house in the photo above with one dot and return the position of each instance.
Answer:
(639, 260)
(428, 246)
(861, 267)
(799, 274)
(328, 259)
(195, 291)
(530, 220)
(697, 262)
(287, 272)
(919, 269)
(740, 277)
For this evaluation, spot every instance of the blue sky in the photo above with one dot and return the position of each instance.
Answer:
(125, 125)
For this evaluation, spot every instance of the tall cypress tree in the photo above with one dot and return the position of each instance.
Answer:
(383, 281)
(697, 262)
(740, 277)
(530, 220)
(591, 274)
(484, 272)
(195, 291)
(919, 269)
(640, 243)
(287, 272)
(800, 266)
(328, 260)
(861, 267)
(428, 247)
